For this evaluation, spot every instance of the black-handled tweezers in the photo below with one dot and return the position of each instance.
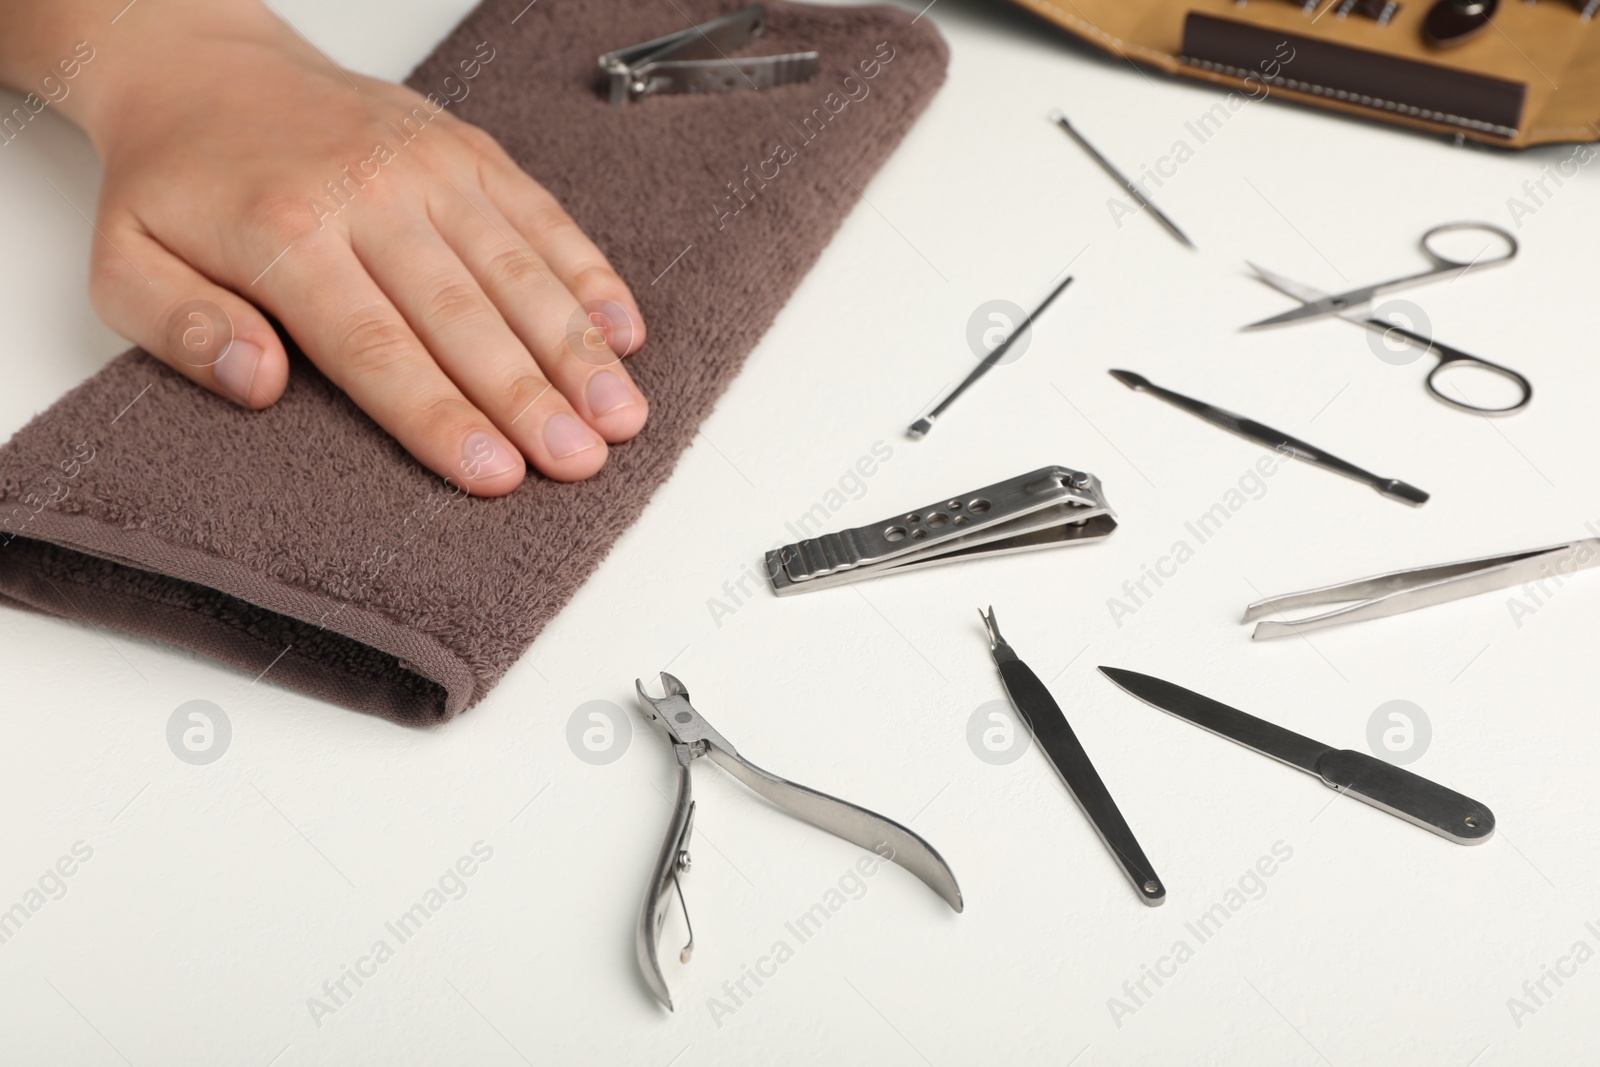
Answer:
(1054, 735)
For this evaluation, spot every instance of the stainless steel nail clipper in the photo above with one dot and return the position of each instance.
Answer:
(696, 60)
(1042, 509)
(1420, 587)
(693, 737)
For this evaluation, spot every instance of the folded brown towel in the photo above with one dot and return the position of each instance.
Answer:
(302, 542)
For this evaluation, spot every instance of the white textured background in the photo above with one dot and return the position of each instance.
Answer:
(219, 899)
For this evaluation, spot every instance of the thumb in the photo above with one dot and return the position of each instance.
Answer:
(199, 329)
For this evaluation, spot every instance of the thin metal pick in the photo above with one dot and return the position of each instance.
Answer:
(1133, 190)
(921, 427)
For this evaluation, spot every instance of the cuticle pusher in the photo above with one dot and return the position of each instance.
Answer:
(1277, 440)
(1050, 728)
(919, 429)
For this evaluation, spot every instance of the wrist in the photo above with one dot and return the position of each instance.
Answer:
(98, 73)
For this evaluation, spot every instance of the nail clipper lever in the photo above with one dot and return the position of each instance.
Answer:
(1041, 509)
(696, 60)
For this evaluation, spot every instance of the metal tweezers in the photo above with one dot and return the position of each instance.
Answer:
(1041, 509)
(695, 60)
(693, 737)
(1397, 592)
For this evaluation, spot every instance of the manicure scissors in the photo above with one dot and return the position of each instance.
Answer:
(1355, 305)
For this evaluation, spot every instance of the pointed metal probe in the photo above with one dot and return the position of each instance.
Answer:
(1121, 179)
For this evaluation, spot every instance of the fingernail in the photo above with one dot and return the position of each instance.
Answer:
(236, 370)
(623, 330)
(565, 436)
(607, 392)
(483, 457)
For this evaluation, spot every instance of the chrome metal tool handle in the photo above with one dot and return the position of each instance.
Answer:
(1382, 595)
(693, 737)
(1048, 497)
(696, 60)
(670, 862)
(1054, 734)
(1276, 440)
(853, 823)
(1408, 796)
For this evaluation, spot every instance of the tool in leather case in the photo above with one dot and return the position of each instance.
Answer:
(1503, 72)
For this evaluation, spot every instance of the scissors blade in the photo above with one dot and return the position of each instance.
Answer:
(1308, 295)
(1315, 303)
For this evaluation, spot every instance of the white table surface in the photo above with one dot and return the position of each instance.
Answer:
(218, 899)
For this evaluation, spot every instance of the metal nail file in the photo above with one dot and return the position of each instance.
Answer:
(1041, 509)
(1051, 729)
(1263, 434)
(692, 737)
(1383, 785)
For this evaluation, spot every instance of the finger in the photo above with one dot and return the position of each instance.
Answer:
(577, 262)
(544, 315)
(350, 330)
(201, 330)
(470, 341)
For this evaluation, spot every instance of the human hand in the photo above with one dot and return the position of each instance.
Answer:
(436, 284)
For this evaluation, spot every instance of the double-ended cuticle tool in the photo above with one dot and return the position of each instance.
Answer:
(692, 737)
(1054, 734)
(920, 428)
(1277, 440)
(1372, 781)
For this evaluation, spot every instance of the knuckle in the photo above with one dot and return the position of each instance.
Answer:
(548, 218)
(372, 343)
(108, 270)
(523, 392)
(105, 275)
(455, 303)
(516, 267)
(445, 417)
(476, 138)
(285, 220)
(595, 278)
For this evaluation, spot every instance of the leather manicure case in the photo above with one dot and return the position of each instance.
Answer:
(1529, 74)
